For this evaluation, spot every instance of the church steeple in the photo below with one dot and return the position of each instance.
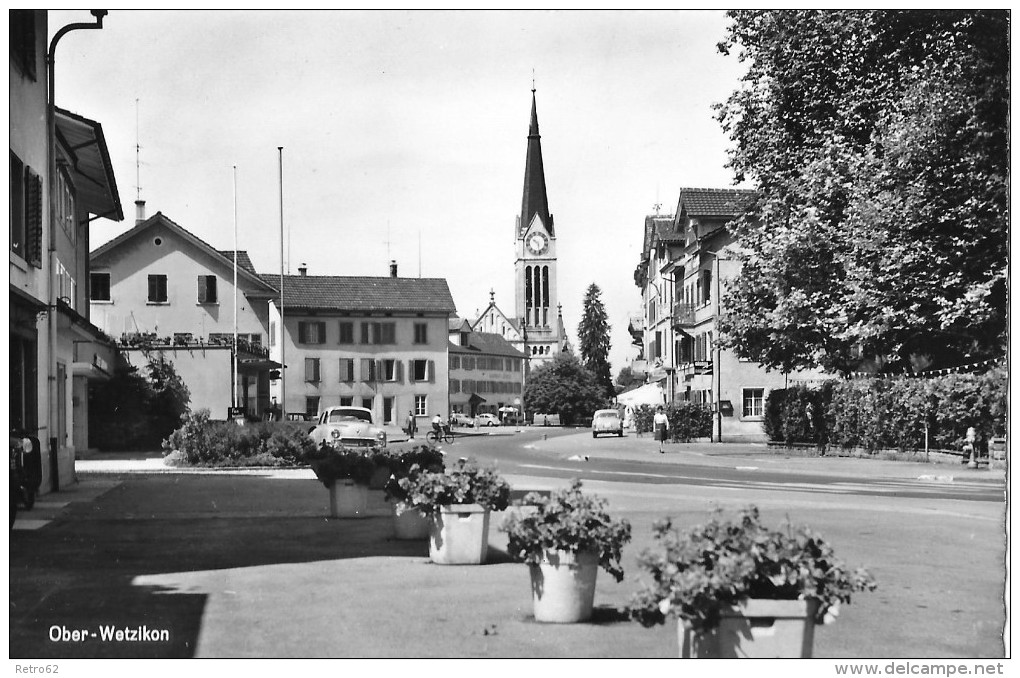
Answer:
(535, 200)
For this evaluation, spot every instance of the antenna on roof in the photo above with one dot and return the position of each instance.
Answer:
(138, 158)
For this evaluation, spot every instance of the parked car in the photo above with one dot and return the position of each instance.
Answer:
(486, 419)
(606, 421)
(461, 419)
(348, 427)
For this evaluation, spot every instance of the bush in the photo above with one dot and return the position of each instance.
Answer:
(688, 420)
(202, 442)
(131, 411)
(643, 416)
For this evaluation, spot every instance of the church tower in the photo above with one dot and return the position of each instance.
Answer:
(537, 302)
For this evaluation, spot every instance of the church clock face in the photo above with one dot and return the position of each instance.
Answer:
(537, 243)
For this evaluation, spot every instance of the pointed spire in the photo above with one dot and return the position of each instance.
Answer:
(535, 200)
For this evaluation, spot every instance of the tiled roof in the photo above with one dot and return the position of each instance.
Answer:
(243, 261)
(363, 293)
(486, 343)
(714, 202)
(665, 232)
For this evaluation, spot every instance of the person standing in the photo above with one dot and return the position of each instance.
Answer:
(412, 425)
(660, 424)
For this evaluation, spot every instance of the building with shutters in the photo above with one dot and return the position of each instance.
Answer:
(159, 290)
(682, 274)
(55, 350)
(486, 371)
(375, 342)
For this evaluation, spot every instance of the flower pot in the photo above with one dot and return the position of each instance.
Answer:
(563, 586)
(348, 499)
(409, 522)
(755, 629)
(459, 535)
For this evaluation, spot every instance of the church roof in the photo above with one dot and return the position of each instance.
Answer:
(535, 201)
(714, 202)
(486, 343)
(364, 293)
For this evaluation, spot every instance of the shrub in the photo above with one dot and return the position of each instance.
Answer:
(643, 417)
(202, 442)
(688, 420)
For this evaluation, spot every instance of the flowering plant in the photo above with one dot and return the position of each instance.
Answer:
(465, 483)
(723, 562)
(423, 459)
(331, 464)
(566, 520)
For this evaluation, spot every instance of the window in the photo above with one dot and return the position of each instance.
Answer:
(368, 371)
(346, 401)
(26, 213)
(207, 289)
(468, 362)
(346, 332)
(22, 35)
(455, 386)
(423, 370)
(312, 370)
(347, 369)
(99, 286)
(367, 402)
(390, 370)
(65, 207)
(706, 287)
(420, 404)
(310, 332)
(157, 289)
(455, 362)
(754, 399)
(312, 405)
(378, 333)
(388, 413)
(421, 333)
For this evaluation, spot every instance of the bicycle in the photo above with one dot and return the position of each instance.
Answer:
(443, 436)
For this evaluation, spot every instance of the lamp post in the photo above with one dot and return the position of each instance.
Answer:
(51, 283)
(283, 333)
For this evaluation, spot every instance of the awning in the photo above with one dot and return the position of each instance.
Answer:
(254, 365)
(96, 187)
(475, 399)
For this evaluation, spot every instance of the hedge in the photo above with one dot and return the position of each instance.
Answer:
(890, 412)
(687, 420)
(201, 442)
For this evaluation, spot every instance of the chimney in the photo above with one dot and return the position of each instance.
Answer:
(303, 269)
(139, 211)
(393, 268)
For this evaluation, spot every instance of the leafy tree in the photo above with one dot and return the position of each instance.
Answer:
(170, 397)
(564, 386)
(593, 338)
(879, 143)
(627, 378)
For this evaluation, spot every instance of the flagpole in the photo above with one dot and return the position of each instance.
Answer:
(233, 386)
(283, 333)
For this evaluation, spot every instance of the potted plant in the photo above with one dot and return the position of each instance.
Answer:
(742, 590)
(564, 538)
(408, 521)
(346, 474)
(458, 502)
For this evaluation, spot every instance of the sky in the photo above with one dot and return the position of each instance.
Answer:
(404, 136)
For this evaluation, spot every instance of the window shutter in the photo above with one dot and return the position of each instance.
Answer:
(380, 371)
(364, 333)
(432, 371)
(410, 371)
(302, 332)
(322, 332)
(201, 289)
(33, 218)
(399, 367)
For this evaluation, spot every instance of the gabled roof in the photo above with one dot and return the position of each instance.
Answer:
(714, 202)
(95, 186)
(513, 322)
(364, 293)
(162, 220)
(458, 324)
(486, 343)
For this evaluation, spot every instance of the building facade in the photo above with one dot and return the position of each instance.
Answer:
(160, 290)
(486, 371)
(682, 275)
(61, 178)
(375, 342)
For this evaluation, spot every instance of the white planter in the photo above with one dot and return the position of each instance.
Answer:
(409, 522)
(563, 586)
(756, 629)
(348, 499)
(459, 535)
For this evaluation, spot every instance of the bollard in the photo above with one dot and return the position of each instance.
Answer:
(545, 436)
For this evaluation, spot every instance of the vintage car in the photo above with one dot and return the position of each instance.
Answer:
(461, 419)
(348, 427)
(606, 421)
(486, 419)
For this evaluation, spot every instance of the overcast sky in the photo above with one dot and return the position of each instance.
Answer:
(402, 128)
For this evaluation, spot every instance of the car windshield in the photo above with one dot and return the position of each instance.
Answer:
(607, 415)
(342, 416)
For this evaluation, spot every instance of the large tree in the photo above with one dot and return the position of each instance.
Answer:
(565, 387)
(593, 338)
(878, 141)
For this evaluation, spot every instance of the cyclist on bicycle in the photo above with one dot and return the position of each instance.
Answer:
(438, 426)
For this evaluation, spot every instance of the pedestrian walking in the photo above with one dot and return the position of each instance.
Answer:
(412, 425)
(660, 424)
